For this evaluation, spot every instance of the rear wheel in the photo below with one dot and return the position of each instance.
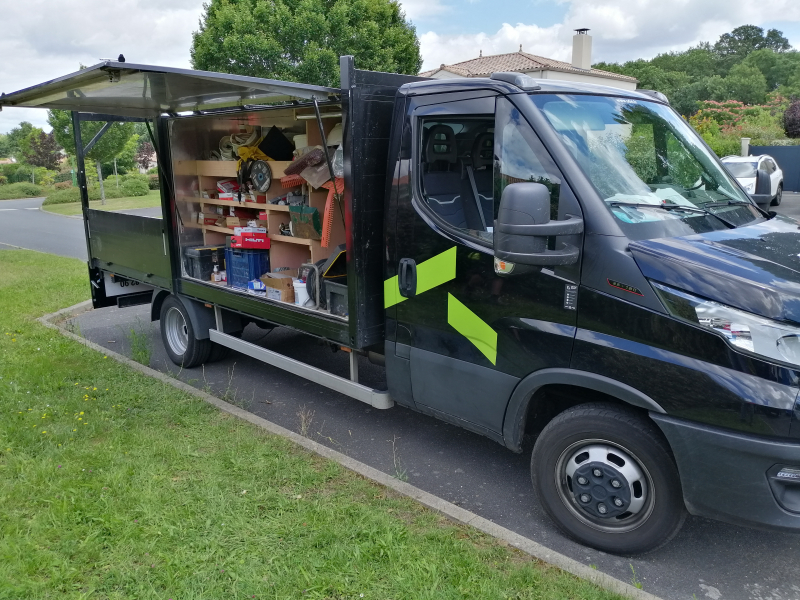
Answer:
(178, 336)
(606, 477)
(776, 201)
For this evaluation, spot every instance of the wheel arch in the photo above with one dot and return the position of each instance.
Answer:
(529, 393)
(201, 316)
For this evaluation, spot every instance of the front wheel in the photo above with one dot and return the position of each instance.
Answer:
(776, 201)
(178, 337)
(607, 478)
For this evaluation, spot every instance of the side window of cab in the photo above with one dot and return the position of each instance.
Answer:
(455, 160)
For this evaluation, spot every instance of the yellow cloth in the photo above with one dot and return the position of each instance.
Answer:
(250, 152)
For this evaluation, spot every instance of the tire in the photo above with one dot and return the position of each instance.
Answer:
(220, 352)
(178, 337)
(635, 468)
(776, 201)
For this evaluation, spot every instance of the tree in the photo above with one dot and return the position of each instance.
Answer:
(41, 149)
(302, 40)
(16, 135)
(747, 38)
(105, 150)
(744, 83)
(5, 146)
(791, 120)
(144, 155)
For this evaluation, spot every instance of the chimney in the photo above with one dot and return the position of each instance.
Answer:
(582, 49)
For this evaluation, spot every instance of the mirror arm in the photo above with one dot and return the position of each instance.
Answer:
(569, 226)
(566, 255)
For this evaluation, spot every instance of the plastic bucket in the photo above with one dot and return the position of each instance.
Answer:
(300, 293)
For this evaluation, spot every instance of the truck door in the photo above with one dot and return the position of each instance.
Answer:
(469, 333)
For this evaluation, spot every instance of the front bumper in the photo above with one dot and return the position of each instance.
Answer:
(733, 477)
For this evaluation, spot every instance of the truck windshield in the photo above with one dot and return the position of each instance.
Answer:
(648, 165)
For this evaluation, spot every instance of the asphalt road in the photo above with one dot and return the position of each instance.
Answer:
(706, 560)
(23, 224)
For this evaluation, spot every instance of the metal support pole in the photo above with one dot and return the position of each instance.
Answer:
(353, 366)
(96, 138)
(81, 177)
(336, 195)
(117, 176)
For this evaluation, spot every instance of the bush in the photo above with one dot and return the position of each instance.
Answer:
(20, 190)
(135, 187)
(3, 180)
(63, 185)
(63, 196)
(791, 120)
(73, 194)
(154, 182)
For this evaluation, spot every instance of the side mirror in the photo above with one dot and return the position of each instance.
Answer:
(523, 226)
(763, 194)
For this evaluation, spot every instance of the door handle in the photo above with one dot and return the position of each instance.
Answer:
(407, 277)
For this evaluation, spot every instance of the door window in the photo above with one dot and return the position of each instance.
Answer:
(520, 156)
(456, 172)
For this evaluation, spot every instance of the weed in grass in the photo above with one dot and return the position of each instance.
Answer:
(141, 344)
(305, 418)
(634, 579)
(229, 395)
(399, 471)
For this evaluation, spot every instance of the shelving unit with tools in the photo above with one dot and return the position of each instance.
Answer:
(207, 221)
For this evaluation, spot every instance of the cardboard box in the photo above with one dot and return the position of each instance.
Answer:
(241, 230)
(279, 286)
(206, 219)
(263, 215)
(235, 222)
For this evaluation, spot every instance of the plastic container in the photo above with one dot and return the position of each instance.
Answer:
(300, 293)
(199, 261)
(337, 298)
(243, 266)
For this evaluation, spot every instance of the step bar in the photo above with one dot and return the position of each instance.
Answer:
(375, 398)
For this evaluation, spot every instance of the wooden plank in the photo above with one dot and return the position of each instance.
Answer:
(289, 239)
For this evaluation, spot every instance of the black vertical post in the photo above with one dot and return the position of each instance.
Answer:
(81, 168)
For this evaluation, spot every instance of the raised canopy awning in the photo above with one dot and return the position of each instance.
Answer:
(146, 91)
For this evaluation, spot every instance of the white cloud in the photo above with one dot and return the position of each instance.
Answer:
(621, 29)
(448, 49)
(44, 39)
(420, 9)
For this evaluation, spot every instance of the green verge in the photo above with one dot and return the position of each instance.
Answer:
(114, 485)
(127, 203)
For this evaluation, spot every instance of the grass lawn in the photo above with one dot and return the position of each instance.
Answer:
(116, 486)
(74, 208)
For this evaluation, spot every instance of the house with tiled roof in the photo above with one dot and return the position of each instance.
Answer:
(539, 67)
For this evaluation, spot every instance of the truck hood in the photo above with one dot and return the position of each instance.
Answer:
(754, 268)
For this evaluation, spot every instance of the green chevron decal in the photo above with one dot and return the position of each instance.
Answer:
(472, 327)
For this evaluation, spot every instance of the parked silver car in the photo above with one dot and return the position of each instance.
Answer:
(744, 169)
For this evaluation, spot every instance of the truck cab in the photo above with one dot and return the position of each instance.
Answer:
(556, 266)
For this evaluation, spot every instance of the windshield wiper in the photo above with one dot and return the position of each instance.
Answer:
(695, 209)
(728, 203)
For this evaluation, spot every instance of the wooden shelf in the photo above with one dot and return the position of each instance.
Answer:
(222, 168)
(290, 239)
(224, 230)
(218, 202)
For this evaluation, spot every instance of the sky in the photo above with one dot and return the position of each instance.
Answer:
(44, 39)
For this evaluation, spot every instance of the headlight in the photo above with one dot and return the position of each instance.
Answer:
(740, 329)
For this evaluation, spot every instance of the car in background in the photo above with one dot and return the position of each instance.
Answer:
(744, 169)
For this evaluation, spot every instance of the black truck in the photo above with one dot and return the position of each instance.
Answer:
(542, 260)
